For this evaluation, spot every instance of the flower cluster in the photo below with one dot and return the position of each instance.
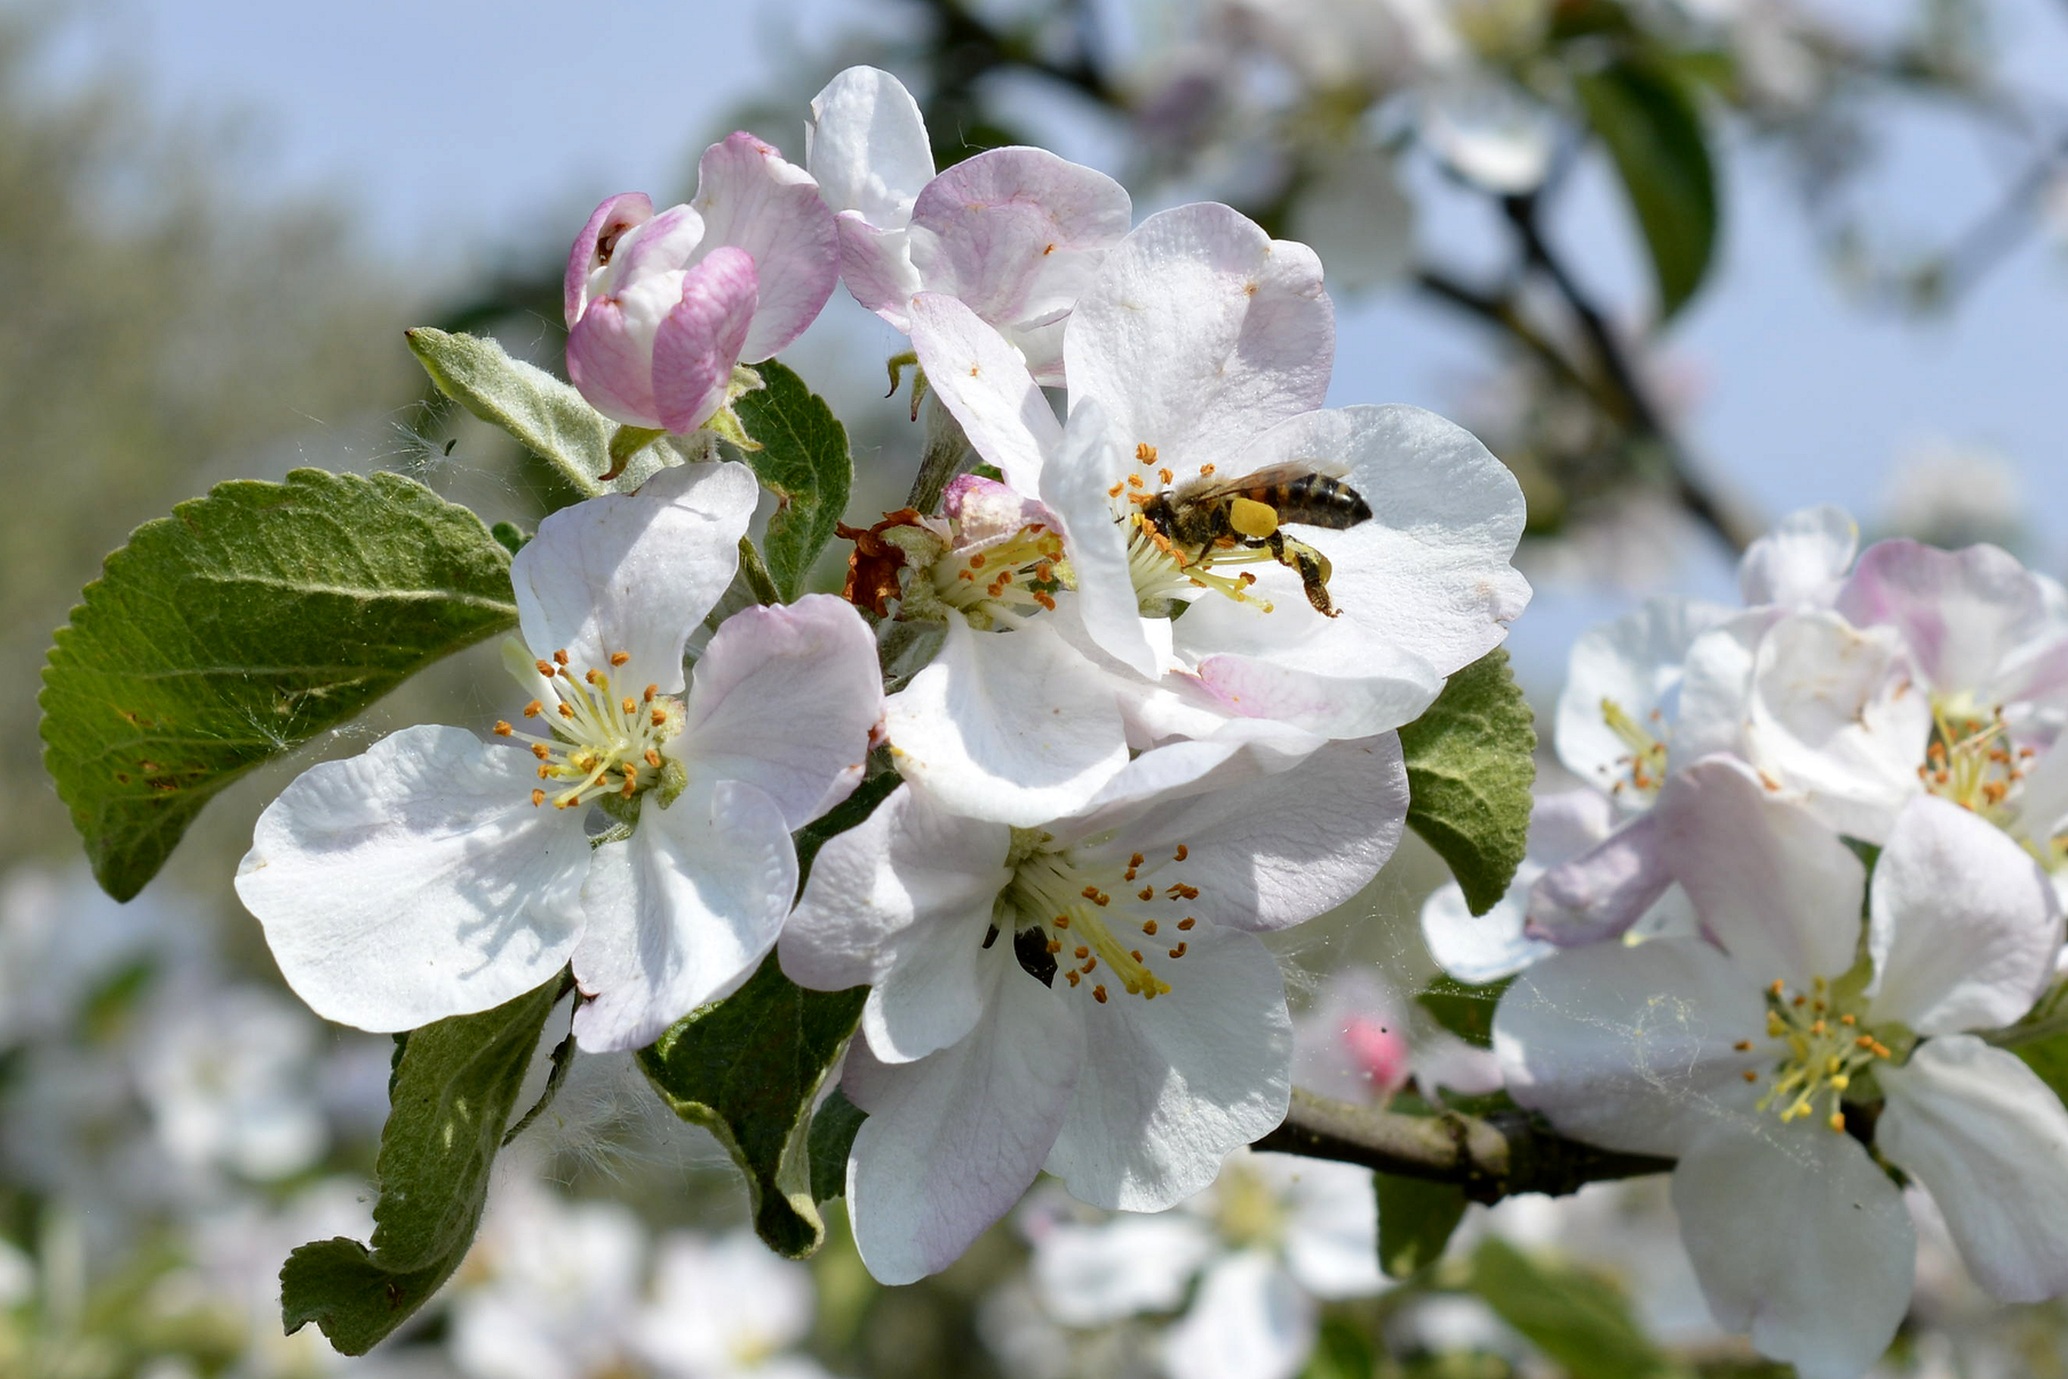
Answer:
(1786, 929)
(1177, 630)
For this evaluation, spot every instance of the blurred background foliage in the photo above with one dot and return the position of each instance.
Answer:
(171, 1122)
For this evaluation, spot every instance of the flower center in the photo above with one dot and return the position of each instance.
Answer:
(1093, 914)
(1246, 1207)
(1003, 582)
(1971, 760)
(1171, 567)
(1646, 762)
(602, 742)
(1828, 1048)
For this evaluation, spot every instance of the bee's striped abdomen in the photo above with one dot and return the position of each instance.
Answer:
(1314, 500)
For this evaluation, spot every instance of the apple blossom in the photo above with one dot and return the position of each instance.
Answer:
(1273, 1235)
(1748, 1053)
(662, 308)
(724, 1308)
(1361, 1041)
(1009, 721)
(1202, 352)
(437, 874)
(1089, 996)
(1015, 234)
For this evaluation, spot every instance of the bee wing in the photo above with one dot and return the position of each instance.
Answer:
(1270, 476)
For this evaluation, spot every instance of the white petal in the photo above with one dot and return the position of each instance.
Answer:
(1833, 712)
(1974, 621)
(1171, 1085)
(785, 698)
(1332, 1224)
(866, 145)
(634, 573)
(1074, 484)
(1778, 890)
(1011, 726)
(1989, 1140)
(1964, 926)
(983, 380)
(1799, 1239)
(954, 1139)
(1250, 1321)
(1716, 689)
(1275, 849)
(1634, 663)
(1090, 1275)
(1800, 562)
(416, 880)
(1630, 1047)
(1200, 332)
(900, 903)
(682, 912)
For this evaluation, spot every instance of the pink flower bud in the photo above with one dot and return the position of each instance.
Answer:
(662, 307)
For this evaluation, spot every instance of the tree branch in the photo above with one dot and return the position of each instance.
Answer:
(1490, 1157)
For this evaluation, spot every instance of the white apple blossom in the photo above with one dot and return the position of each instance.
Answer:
(1202, 352)
(438, 874)
(1257, 1252)
(1740, 1054)
(1088, 997)
(228, 1075)
(1015, 234)
(1010, 720)
(724, 1308)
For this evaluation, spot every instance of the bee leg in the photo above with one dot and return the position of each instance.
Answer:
(1311, 566)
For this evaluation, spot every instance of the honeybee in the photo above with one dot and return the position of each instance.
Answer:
(1197, 518)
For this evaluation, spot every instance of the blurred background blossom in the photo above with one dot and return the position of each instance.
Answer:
(218, 216)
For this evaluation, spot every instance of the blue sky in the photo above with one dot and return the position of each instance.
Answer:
(468, 131)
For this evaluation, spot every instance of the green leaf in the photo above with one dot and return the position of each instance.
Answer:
(2049, 1058)
(1470, 765)
(1465, 1010)
(544, 415)
(833, 1129)
(1647, 117)
(1416, 1218)
(841, 817)
(1343, 1350)
(454, 1087)
(1582, 1322)
(747, 1069)
(804, 461)
(238, 628)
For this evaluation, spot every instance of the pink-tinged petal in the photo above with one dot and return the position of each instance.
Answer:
(633, 573)
(1964, 927)
(953, 1140)
(1250, 1321)
(786, 699)
(1014, 726)
(1800, 1239)
(668, 243)
(1975, 620)
(1988, 1140)
(1800, 562)
(416, 880)
(984, 382)
(1835, 713)
(1633, 664)
(1171, 1085)
(1631, 1046)
(1779, 891)
(696, 347)
(877, 267)
(596, 243)
(1074, 485)
(900, 903)
(985, 512)
(1017, 234)
(751, 199)
(681, 913)
(610, 356)
(1276, 849)
(1603, 891)
(866, 144)
(1200, 333)
(1426, 577)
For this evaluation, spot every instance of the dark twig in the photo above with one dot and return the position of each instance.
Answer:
(1491, 1157)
